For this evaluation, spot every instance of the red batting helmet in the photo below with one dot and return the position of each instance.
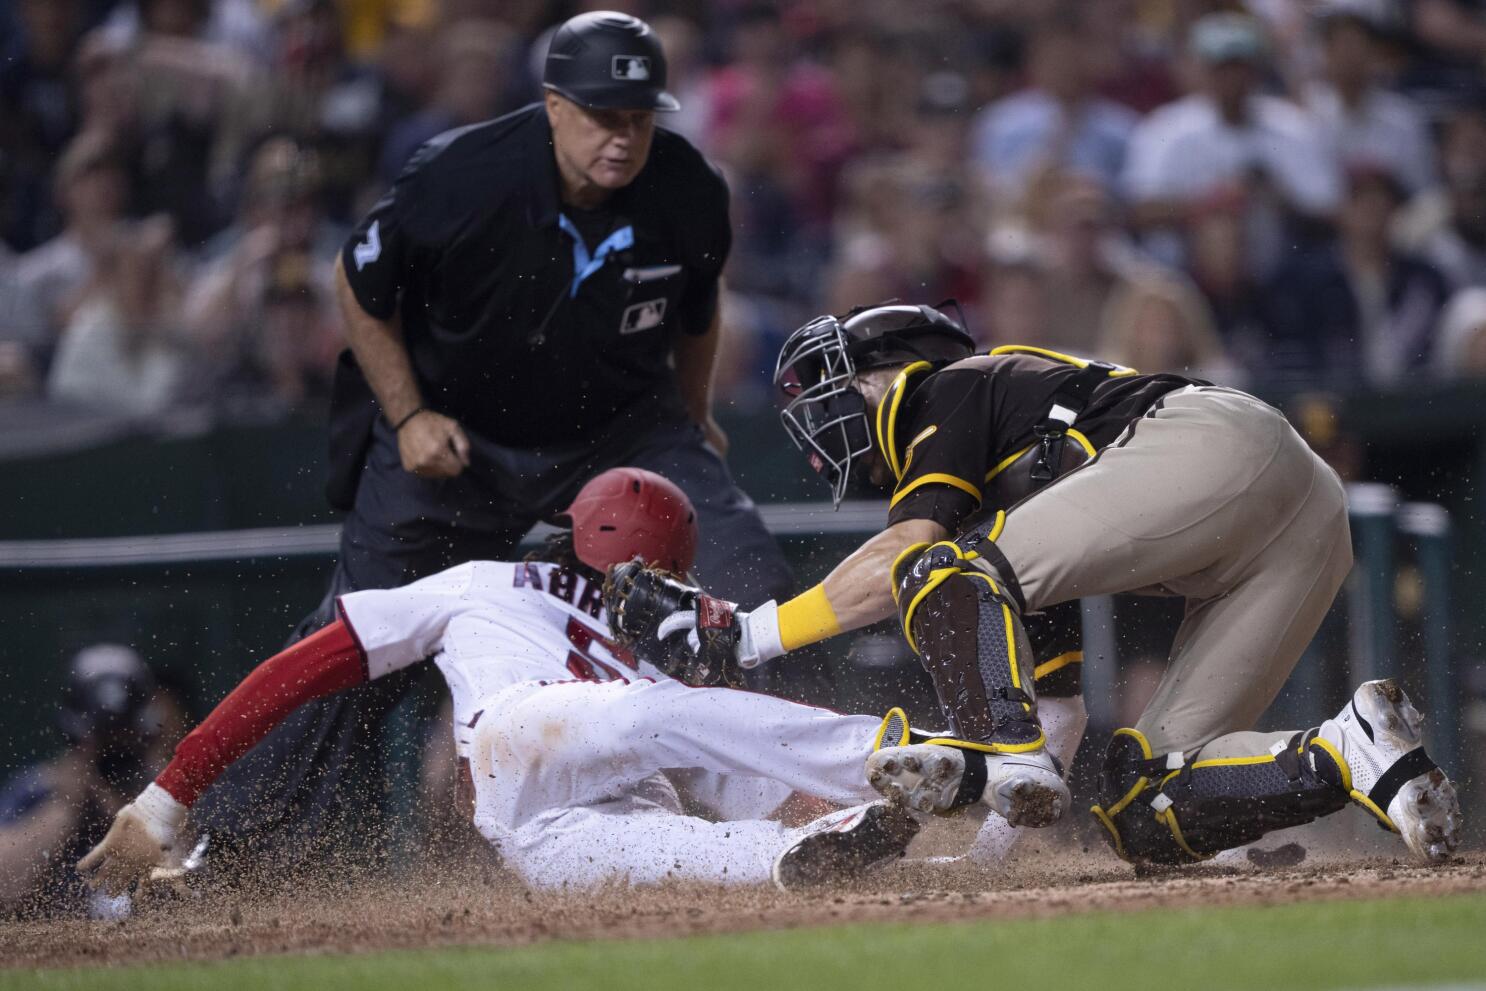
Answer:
(625, 513)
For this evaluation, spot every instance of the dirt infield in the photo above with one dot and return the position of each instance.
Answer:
(476, 903)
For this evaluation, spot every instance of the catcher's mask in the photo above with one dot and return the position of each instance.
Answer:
(825, 414)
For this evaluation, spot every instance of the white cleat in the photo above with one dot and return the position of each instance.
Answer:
(1024, 789)
(844, 845)
(1380, 737)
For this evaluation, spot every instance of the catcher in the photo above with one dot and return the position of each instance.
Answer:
(1023, 479)
(563, 735)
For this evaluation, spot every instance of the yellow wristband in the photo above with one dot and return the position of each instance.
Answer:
(807, 618)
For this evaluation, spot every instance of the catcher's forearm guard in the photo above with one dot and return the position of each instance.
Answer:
(639, 599)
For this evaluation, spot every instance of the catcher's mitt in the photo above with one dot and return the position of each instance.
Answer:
(639, 599)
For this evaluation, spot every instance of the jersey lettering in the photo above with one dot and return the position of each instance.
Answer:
(527, 576)
(562, 584)
(582, 663)
(592, 599)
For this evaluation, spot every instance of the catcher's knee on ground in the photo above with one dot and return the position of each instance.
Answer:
(965, 626)
(1164, 809)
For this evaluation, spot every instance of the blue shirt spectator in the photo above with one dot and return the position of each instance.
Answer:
(1055, 123)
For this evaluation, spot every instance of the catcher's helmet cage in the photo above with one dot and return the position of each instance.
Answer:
(608, 61)
(628, 513)
(826, 416)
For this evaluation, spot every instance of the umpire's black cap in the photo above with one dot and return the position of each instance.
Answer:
(609, 61)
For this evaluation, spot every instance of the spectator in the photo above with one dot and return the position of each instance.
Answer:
(107, 90)
(1452, 37)
(1461, 351)
(1057, 122)
(181, 154)
(1133, 59)
(782, 135)
(17, 371)
(90, 185)
(1016, 293)
(475, 64)
(1229, 139)
(408, 70)
(911, 237)
(1218, 263)
(54, 812)
(912, 229)
(1362, 121)
(878, 71)
(237, 26)
(317, 96)
(777, 120)
(1088, 260)
(38, 114)
(1361, 311)
(119, 352)
(258, 315)
(1448, 227)
(685, 75)
(1161, 323)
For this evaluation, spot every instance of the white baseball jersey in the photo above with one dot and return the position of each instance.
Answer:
(568, 735)
(489, 625)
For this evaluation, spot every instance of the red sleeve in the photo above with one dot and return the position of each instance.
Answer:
(316, 666)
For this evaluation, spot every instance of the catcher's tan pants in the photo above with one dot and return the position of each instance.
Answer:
(1212, 496)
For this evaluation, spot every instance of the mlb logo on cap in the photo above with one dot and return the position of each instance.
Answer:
(632, 68)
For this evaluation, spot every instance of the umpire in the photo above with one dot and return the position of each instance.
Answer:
(534, 301)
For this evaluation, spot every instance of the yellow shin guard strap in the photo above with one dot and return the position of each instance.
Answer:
(806, 618)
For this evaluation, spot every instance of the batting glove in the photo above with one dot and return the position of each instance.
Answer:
(142, 839)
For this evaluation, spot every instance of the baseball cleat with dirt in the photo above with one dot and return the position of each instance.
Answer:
(1024, 789)
(1379, 736)
(925, 777)
(844, 845)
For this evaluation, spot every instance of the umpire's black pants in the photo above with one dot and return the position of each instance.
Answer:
(318, 780)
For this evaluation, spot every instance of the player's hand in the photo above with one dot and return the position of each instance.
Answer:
(655, 615)
(432, 445)
(141, 843)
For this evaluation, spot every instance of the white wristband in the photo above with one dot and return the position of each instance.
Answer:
(763, 635)
(159, 806)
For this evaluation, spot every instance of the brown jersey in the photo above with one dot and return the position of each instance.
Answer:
(956, 426)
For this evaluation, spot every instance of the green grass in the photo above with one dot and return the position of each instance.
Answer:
(1401, 942)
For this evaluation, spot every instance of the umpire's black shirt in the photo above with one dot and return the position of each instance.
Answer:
(528, 321)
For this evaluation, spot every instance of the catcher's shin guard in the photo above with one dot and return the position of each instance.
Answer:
(1160, 808)
(965, 628)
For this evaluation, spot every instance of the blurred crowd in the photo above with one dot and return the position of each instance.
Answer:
(1277, 194)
